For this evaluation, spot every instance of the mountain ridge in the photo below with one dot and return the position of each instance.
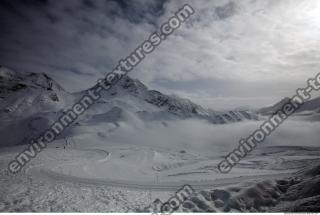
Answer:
(31, 102)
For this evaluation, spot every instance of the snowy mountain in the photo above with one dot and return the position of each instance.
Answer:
(136, 145)
(23, 94)
(131, 94)
(312, 106)
(30, 102)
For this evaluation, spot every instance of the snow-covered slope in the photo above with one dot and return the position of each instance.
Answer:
(274, 108)
(30, 102)
(23, 94)
(131, 94)
(135, 145)
(311, 106)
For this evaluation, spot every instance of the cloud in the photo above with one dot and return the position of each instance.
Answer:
(239, 49)
(209, 139)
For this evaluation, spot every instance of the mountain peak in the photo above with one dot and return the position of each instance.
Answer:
(12, 81)
(29, 98)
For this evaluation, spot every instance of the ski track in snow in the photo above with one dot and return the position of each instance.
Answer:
(61, 180)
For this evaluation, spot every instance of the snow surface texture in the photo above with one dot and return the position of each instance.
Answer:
(297, 193)
(136, 145)
(36, 190)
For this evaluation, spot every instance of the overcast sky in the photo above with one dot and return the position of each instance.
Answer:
(229, 54)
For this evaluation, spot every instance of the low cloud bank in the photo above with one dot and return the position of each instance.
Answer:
(200, 136)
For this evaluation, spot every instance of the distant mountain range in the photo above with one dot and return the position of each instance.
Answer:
(30, 102)
(312, 106)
